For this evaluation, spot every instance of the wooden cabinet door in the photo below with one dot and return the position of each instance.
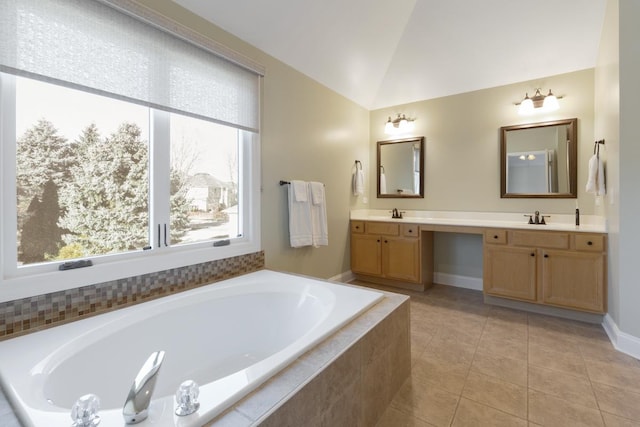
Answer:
(510, 272)
(366, 254)
(401, 258)
(573, 279)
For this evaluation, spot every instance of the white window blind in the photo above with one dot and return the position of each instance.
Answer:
(92, 46)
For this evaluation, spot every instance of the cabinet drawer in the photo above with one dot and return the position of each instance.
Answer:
(495, 236)
(540, 239)
(409, 230)
(382, 228)
(357, 226)
(589, 242)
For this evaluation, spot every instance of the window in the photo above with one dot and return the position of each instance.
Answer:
(95, 168)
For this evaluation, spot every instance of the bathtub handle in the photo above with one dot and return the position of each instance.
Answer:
(136, 407)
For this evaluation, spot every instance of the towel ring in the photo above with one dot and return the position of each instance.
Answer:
(382, 167)
(358, 162)
(596, 147)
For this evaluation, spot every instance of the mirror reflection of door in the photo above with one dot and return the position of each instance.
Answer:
(400, 167)
(532, 172)
(539, 159)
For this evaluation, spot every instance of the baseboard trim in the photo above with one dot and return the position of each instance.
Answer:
(344, 277)
(626, 343)
(458, 281)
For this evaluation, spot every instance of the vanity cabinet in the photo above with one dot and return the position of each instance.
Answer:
(387, 251)
(562, 269)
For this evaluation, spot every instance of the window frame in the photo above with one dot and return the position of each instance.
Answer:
(45, 278)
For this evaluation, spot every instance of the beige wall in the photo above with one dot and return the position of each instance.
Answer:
(309, 133)
(629, 206)
(462, 158)
(607, 126)
(624, 211)
(462, 169)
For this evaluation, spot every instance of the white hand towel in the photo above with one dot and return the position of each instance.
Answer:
(318, 214)
(595, 179)
(358, 183)
(300, 228)
(383, 183)
(300, 191)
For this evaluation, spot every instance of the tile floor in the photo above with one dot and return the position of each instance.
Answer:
(480, 365)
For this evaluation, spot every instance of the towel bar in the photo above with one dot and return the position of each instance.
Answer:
(289, 182)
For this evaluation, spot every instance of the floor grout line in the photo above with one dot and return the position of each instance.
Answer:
(546, 330)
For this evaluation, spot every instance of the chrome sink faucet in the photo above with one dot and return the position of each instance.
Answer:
(136, 407)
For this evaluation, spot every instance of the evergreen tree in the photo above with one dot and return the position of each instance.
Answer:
(179, 205)
(41, 155)
(107, 203)
(41, 236)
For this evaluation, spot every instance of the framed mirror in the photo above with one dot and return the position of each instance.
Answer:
(539, 160)
(401, 168)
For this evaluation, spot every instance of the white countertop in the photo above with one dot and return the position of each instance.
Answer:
(555, 222)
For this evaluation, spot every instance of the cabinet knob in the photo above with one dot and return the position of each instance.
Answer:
(357, 227)
(386, 241)
(546, 255)
(533, 254)
(495, 236)
(410, 231)
(590, 243)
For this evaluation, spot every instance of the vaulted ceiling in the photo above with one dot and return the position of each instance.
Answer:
(384, 53)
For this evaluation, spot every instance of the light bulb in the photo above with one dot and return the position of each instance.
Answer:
(550, 102)
(526, 106)
(388, 128)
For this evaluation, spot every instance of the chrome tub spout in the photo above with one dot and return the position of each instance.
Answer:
(136, 407)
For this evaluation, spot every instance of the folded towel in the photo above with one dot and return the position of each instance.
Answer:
(299, 191)
(300, 228)
(383, 183)
(358, 182)
(318, 215)
(317, 193)
(595, 179)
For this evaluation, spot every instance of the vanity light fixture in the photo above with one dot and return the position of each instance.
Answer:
(527, 157)
(538, 101)
(400, 124)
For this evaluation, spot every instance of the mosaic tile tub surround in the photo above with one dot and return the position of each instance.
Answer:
(26, 315)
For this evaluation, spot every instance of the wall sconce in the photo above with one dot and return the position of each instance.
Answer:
(544, 103)
(400, 124)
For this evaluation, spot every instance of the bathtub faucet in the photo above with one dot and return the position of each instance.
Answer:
(136, 407)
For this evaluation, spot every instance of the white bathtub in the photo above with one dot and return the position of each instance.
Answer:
(229, 337)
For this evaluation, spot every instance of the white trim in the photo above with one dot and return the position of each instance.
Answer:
(344, 277)
(466, 282)
(626, 343)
